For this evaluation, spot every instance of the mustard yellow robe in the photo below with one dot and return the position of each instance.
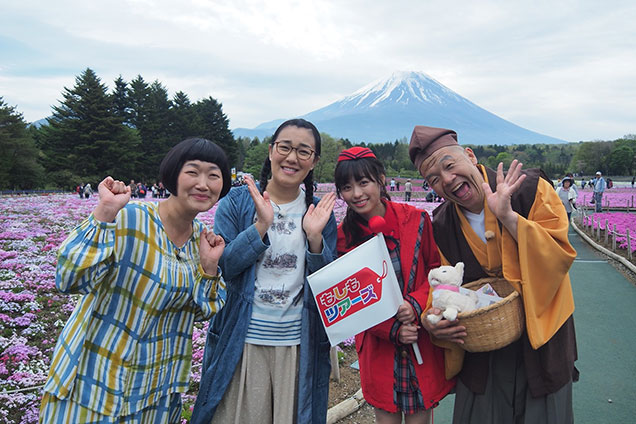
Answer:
(536, 264)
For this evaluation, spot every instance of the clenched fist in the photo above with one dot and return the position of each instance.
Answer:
(113, 196)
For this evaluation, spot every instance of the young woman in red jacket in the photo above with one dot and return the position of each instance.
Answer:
(392, 380)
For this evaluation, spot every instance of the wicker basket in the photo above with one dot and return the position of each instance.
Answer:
(497, 325)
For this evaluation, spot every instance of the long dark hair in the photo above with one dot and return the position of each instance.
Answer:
(266, 171)
(358, 169)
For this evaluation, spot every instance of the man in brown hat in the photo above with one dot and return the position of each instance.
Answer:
(511, 226)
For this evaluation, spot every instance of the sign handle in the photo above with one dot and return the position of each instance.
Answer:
(418, 355)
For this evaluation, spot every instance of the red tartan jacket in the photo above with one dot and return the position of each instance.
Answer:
(378, 345)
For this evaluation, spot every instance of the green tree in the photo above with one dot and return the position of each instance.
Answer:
(620, 161)
(255, 157)
(628, 146)
(537, 153)
(243, 144)
(19, 168)
(185, 122)
(84, 139)
(215, 127)
(591, 156)
(491, 162)
(401, 160)
(330, 148)
(138, 94)
(155, 132)
(121, 102)
(151, 115)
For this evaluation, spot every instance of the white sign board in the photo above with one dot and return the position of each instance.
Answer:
(356, 291)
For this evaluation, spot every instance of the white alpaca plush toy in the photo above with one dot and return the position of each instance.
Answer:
(445, 282)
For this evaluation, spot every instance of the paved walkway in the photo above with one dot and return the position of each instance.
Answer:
(605, 320)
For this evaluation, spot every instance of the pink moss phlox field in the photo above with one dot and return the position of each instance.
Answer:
(623, 222)
(33, 312)
(618, 197)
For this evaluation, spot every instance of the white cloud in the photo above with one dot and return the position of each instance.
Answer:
(34, 96)
(560, 68)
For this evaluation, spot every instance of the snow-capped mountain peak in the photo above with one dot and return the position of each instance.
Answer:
(402, 87)
(388, 109)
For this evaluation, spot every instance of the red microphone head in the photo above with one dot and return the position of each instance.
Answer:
(377, 224)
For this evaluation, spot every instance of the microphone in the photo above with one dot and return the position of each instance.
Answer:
(377, 224)
(280, 212)
(180, 255)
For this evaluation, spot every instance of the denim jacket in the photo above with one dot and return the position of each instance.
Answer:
(228, 328)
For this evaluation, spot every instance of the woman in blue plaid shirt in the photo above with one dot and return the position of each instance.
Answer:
(146, 271)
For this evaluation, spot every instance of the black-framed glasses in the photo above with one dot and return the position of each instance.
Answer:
(302, 152)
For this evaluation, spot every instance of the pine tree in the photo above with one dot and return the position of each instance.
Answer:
(19, 168)
(155, 132)
(85, 140)
(121, 102)
(215, 126)
(151, 116)
(185, 121)
(138, 93)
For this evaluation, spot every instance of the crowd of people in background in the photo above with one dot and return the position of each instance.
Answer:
(84, 190)
(140, 190)
(137, 190)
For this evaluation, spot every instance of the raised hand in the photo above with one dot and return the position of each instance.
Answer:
(113, 196)
(315, 220)
(264, 209)
(499, 201)
(210, 250)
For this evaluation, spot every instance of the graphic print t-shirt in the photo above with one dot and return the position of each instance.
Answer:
(280, 274)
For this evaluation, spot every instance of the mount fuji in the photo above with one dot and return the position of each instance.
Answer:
(388, 109)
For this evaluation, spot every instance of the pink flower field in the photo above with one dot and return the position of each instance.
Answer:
(32, 312)
(623, 221)
(620, 197)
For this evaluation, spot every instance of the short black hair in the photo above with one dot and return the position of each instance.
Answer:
(194, 148)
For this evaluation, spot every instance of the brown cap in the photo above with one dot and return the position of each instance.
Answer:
(426, 140)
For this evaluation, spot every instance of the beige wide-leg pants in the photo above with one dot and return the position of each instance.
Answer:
(263, 389)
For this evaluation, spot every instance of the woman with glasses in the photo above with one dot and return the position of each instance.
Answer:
(267, 356)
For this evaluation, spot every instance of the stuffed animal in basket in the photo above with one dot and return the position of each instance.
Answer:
(445, 282)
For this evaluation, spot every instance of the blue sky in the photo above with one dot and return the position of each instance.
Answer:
(562, 68)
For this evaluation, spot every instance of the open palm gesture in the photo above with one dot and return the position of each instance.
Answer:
(499, 201)
(264, 209)
(318, 215)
